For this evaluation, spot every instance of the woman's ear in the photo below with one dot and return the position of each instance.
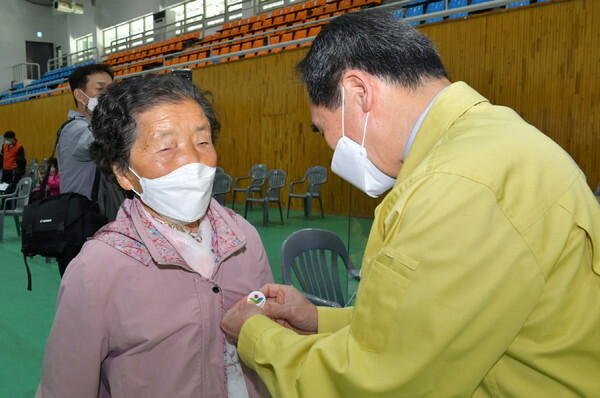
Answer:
(359, 88)
(124, 179)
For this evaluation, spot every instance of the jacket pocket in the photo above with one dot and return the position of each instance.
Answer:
(379, 298)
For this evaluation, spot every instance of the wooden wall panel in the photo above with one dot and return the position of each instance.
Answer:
(265, 118)
(35, 123)
(541, 60)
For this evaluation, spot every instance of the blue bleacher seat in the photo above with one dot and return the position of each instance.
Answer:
(434, 7)
(479, 1)
(457, 4)
(518, 4)
(413, 12)
(398, 13)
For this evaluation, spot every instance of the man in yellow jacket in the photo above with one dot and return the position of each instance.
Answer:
(481, 276)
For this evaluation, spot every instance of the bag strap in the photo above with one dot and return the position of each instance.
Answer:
(28, 272)
(95, 186)
(49, 166)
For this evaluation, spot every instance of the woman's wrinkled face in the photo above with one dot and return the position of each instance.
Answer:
(169, 136)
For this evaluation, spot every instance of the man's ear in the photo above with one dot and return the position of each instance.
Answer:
(79, 97)
(358, 87)
(123, 179)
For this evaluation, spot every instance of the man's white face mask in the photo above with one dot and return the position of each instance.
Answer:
(93, 101)
(182, 196)
(350, 162)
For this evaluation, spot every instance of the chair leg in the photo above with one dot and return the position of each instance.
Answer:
(1, 227)
(309, 201)
(265, 205)
(280, 212)
(246, 210)
(321, 204)
(288, 212)
(18, 225)
(305, 199)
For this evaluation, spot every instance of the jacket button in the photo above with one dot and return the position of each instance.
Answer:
(216, 289)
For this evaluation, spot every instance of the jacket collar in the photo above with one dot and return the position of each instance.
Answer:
(134, 234)
(76, 115)
(457, 99)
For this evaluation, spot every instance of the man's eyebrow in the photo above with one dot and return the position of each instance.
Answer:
(203, 127)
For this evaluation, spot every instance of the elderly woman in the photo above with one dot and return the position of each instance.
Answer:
(139, 308)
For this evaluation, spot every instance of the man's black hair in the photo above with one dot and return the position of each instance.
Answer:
(80, 76)
(374, 42)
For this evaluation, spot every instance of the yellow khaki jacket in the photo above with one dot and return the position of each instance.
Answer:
(481, 276)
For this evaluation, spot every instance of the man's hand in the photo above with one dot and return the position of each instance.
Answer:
(290, 308)
(234, 319)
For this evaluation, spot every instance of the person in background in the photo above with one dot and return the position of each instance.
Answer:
(12, 159)
(77, 170)
(139, 308)
(52, 183)
(481, 275)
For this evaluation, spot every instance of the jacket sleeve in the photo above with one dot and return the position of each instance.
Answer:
(81, 151)
(439, 302)
(78, 341)
(21, 161)
(334, 319)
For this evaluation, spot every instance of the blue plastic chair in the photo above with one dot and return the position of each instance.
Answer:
(434, 7)
(457, 4)
(413, 12)
(519, 4)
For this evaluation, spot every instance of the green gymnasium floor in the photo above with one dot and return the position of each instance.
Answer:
(26, 317)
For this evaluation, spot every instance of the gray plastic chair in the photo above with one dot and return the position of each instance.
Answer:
(14, 203)
(313, 257)
(313, 178)
(257, 176)
(221, 187)
(276, 180)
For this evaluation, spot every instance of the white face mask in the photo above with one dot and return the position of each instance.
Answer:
(93, 101)
(182, 196)
(350, 162)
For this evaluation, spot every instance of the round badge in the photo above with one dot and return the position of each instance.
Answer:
(257, 298)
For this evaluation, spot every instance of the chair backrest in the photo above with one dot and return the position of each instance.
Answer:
(219, 170)
(34, 173)
(316, 176)
(21, 194)
(221, 186)
(312, 256)
(258, 173)
(277, 179)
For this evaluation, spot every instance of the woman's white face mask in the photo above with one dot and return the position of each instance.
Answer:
(350, 162)
(182, 196)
